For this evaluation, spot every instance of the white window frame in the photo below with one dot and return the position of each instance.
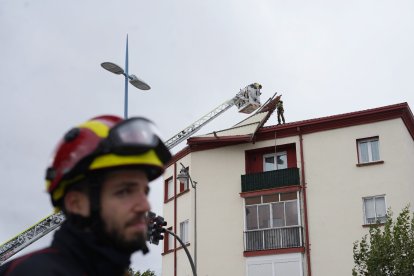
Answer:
(184, 235)
(170, 188)
(171, 239)
(274, 155)
(366, 222)
(369, 142)
(170, 242)
(271, 213)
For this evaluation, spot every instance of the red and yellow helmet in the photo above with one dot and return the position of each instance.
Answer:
(105, 142)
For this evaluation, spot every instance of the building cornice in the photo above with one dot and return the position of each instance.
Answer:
(379, 114)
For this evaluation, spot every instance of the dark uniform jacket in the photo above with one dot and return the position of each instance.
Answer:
(73, 252)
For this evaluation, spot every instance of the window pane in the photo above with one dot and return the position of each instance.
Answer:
(270, 198)
(363, 152)
(380, 207)
(278, 211)
(264, 216)
(291, 213)
(369, 210)
(184, 231)
(288, 196)
(269, 163)
(170, 188)
(170, 241)
(281, 161)
(253, 200)
(375, 150)
(270, 160)
(251, 217)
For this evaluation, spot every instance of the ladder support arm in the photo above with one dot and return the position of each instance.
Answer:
(30, 235)
(193, 128)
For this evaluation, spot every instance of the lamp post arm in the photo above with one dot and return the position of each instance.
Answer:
(193, 183)
(185, 249)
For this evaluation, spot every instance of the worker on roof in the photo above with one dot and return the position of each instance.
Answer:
(280, 112)
(99, 178)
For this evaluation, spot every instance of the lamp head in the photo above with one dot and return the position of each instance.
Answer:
(140, 84)
(112, 67)
(183, 176)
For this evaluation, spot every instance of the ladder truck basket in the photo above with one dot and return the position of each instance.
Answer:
(248, 99)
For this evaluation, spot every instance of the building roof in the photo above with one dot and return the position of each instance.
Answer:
(249, 126)
(231, 137)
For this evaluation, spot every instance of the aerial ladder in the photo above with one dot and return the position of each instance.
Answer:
(246, 100)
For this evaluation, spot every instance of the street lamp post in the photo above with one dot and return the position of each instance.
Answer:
(184, 176)
(134, 80)
(156, 227)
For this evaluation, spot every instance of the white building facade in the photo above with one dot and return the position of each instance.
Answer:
(288, 199)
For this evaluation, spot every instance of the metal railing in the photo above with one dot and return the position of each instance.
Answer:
(273, 238)
(270, 179)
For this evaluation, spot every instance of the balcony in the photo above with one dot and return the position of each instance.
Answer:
(273, 238)
(270, 179)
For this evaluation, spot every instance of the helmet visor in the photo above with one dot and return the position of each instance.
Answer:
(132, 136)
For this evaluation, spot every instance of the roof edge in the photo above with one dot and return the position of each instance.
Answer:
(400, 110)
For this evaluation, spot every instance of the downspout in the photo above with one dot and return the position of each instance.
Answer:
(175, 218)
(305, 204)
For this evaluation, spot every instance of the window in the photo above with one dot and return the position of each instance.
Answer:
(264, 216)
(368, 150)
(374, 209)
(184, 231)
(251, 217)
(168, 241)
(168, 189)
(274, 161)
(272, 211)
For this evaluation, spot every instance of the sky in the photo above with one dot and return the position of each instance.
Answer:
(323, 57)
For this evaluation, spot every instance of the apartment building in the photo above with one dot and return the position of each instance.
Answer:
(287, 199)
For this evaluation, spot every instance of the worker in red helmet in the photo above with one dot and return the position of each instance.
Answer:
(99, 178)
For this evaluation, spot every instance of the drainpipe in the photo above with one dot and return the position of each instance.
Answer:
(305, 204)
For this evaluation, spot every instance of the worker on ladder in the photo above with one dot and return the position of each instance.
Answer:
(99, 178)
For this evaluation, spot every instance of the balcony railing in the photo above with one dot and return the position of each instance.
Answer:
(270, 179)
(274, 238)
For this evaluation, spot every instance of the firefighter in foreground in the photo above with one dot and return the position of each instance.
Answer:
(99, 178)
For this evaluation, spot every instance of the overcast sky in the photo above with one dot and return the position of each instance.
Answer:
(324, 57)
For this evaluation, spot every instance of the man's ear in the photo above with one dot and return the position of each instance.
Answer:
(77, 203)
